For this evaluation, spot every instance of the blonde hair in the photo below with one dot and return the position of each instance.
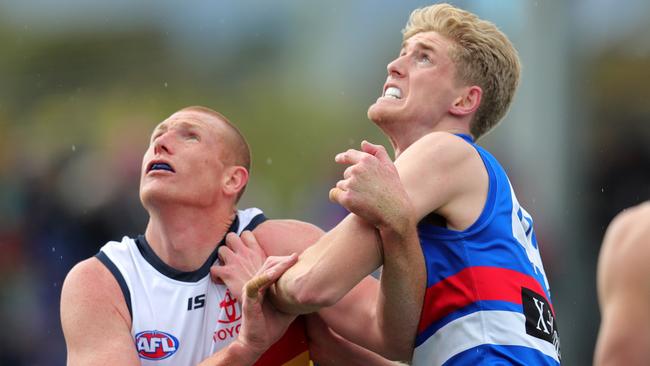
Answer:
(483, 56)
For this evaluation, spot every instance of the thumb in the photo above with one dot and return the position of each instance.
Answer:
(377, 151)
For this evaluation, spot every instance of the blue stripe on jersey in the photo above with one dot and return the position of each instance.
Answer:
(469, 309)
(487, 242)
(489, 354)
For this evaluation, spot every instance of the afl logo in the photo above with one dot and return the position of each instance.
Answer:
(155, 345)
(230, 309)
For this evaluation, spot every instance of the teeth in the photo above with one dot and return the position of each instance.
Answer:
(393, 92)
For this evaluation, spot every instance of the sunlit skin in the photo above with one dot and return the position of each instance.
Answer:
(199, 187)
(192, 143)
(431, 94)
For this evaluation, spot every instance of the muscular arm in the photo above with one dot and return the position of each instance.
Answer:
(454, 184)
(282, 237)
(624, 291)
(95, 318)
(96, 322)
(329, 269)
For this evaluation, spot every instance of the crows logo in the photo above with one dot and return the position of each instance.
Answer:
(230, 308)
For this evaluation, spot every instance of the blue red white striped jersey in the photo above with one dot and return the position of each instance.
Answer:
(487, 299)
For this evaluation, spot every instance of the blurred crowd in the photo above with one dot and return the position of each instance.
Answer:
(80, 93)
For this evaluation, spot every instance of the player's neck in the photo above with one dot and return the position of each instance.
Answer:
(184, 237)
(402, 136)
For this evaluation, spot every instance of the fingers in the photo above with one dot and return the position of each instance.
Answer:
(255, 285)
(378, 151)
(278, 265)
(225, 254)
(234, 242)
(249, 240)
(337, 195)
(273, 268)
(350, 157)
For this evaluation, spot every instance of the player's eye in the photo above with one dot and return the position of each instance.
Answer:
(424, 58)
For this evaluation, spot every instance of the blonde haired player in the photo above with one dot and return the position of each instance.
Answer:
(449, 228)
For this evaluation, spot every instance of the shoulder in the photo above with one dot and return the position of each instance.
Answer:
(443, 173)
(626, 250)
(442, 154)
(444, 147)
(628, 231)
(630, 222)
(94, 317)
(90, 286)
(284, 237)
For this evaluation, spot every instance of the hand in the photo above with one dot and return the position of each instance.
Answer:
(262, 324)
(371, 188)
(241, 258)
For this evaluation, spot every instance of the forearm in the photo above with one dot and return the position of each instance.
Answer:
(328, 348)
(235, 354)
(327, 270)
(403, 283)
(389, 310)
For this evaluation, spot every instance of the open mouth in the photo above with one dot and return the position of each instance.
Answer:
(393, 92)
(160, 166)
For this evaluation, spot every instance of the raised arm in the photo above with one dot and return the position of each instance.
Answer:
(329, 269)
(440, 173)
(372, 189)
(242, 257)
(624, 290)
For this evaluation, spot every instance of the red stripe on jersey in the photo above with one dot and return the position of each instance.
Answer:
(471, 285)
(292, 344)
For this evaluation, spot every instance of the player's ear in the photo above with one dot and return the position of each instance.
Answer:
(468, 102)
(234, 180)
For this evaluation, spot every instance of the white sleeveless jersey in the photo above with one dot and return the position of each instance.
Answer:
(178, 318)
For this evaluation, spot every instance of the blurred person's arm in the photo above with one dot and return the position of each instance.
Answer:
(624, 290)
(96, 321)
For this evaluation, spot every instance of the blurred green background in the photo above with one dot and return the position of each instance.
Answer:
(82, 84)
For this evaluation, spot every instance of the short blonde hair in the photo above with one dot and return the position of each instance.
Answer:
(483, 56)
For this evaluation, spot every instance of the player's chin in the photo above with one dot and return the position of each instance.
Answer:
(151, 194)
(380, 112)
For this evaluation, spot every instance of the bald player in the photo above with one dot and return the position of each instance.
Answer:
(149, 300)
(624, 290)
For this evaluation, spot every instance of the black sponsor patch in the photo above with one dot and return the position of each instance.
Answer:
(540, 320)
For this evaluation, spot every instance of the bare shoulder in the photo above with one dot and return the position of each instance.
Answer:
(629, 231)
(444, 174)
(444, 147)
(626, 250)
(90, 285)
(94, 317)
(284, 237)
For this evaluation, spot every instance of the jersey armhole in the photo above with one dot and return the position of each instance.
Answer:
(257, 220)
(102, 257)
